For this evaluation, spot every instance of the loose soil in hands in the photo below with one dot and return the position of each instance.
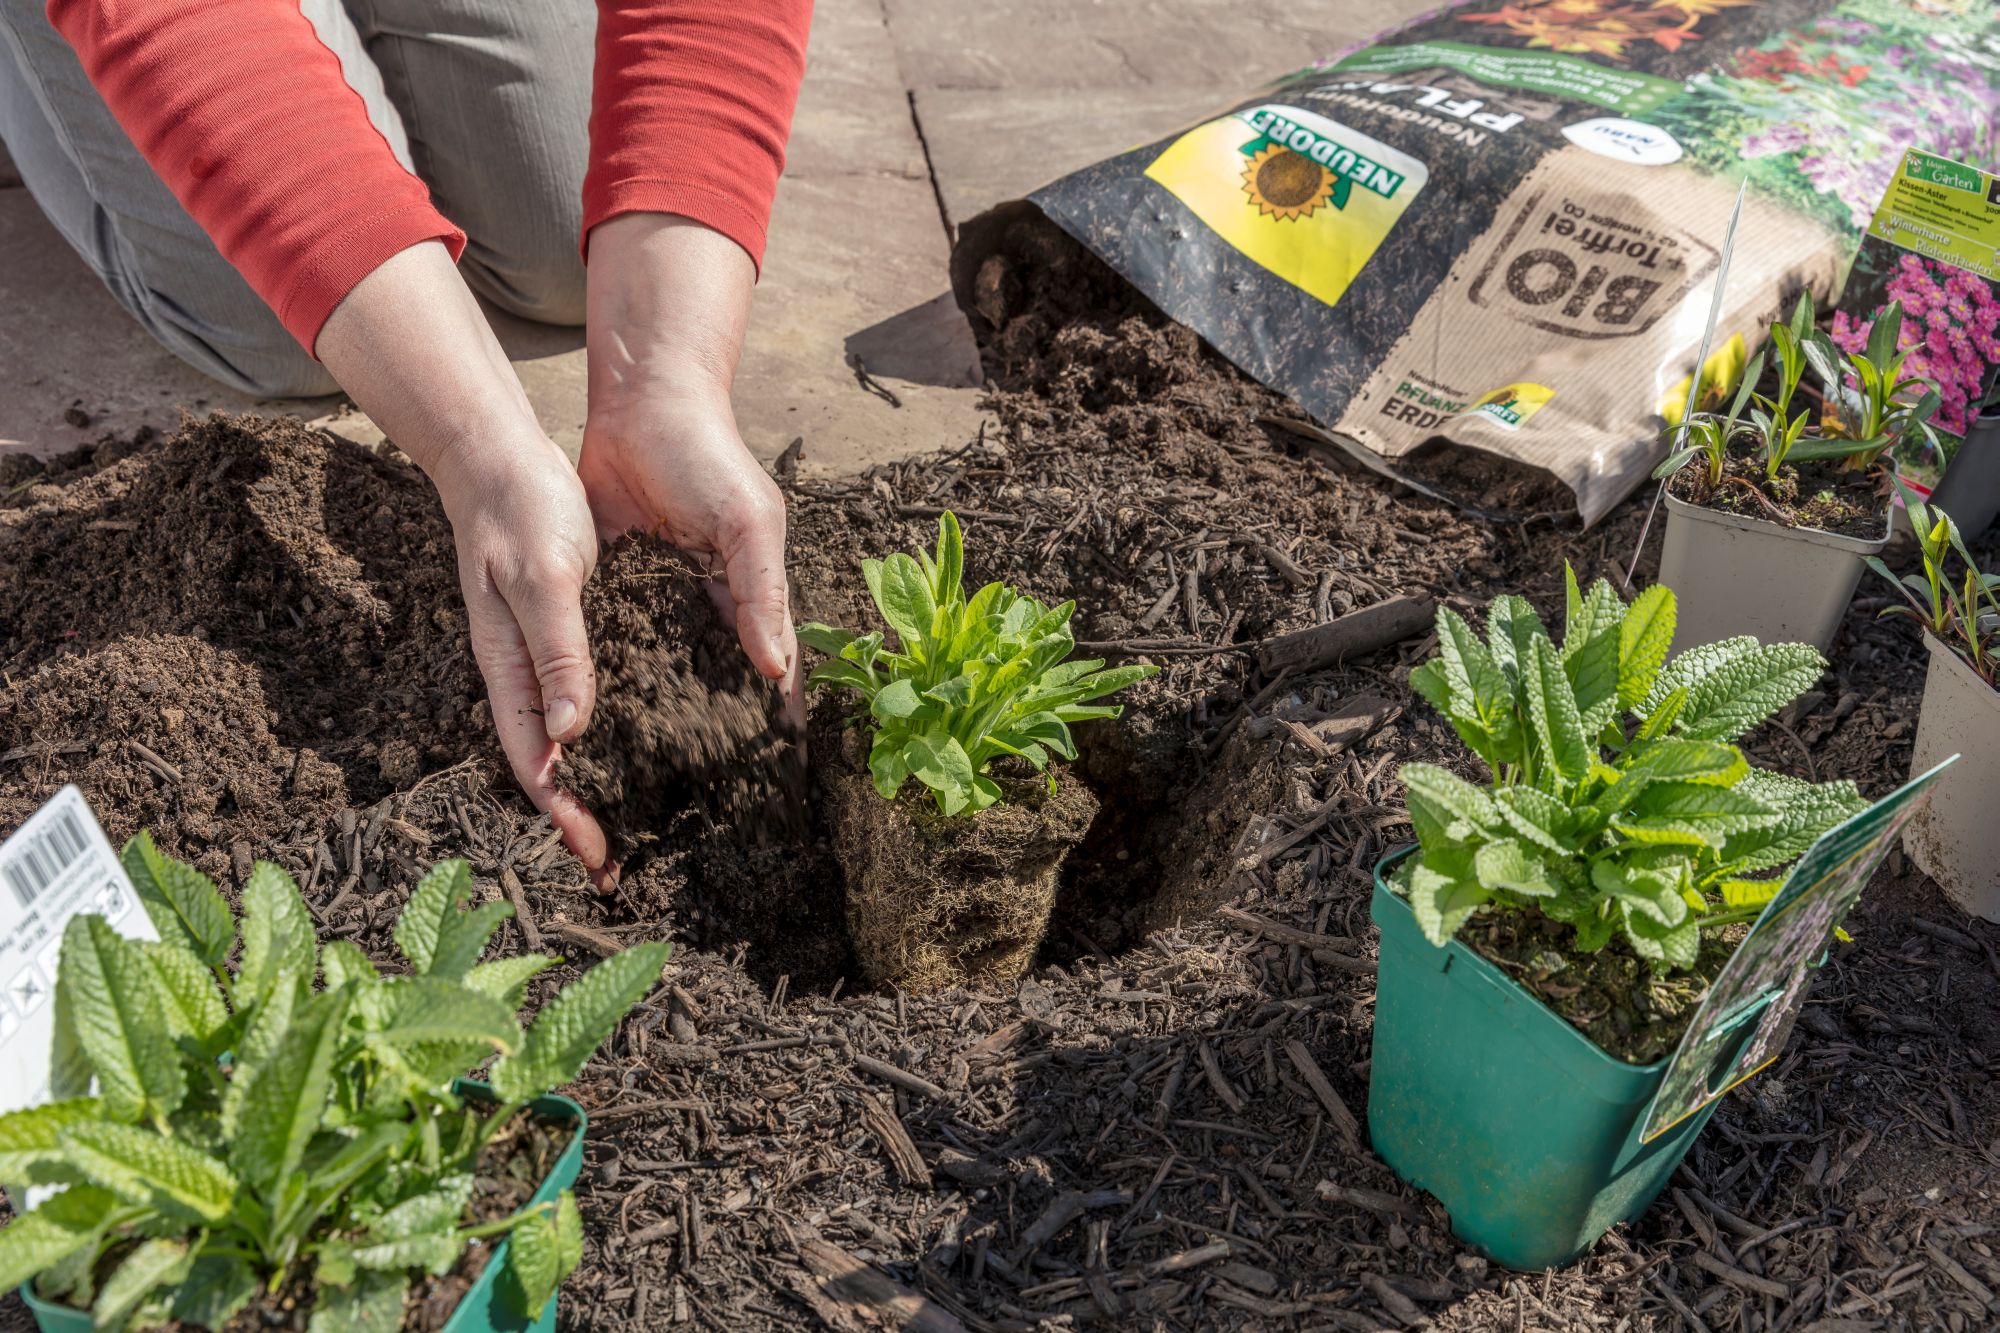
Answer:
(1155, 1128)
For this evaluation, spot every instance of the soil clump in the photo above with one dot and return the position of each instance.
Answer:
(935, 902)
(681, 718)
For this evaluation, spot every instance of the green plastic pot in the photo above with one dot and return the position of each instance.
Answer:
(1522, 1127)
(490, 1306)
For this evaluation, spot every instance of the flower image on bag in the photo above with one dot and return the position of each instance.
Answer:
(1951, 330)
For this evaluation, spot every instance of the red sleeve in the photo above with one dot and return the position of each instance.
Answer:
(691, 106)
(244, 114)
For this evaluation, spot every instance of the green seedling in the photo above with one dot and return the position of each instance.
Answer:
(1777, 428)
(1884, 409)
(1965, 614)
(1616, 802)
(970, 680)
(1708, 436)
(290, 1112)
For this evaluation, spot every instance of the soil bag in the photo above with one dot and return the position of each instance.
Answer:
(1498, 227)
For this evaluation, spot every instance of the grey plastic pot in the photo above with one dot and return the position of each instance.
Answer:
(1955, 839)
(1735, 575)
(1969, 490)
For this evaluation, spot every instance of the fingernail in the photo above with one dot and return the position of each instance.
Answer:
(560, 716)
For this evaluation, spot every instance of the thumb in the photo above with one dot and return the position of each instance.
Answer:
(545, 597)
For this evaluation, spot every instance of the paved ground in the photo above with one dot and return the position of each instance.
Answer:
(916, 114)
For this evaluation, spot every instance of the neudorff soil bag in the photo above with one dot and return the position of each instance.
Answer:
(1499, 226)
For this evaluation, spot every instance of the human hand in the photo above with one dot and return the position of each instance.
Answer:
(668, 302)
(410, 346)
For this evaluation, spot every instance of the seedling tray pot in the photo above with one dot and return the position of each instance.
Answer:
(1969, 490)
(1738, 575)
(1522, 1127)
(490, 1305)
(1955, 838)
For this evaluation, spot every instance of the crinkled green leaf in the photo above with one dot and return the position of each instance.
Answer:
(437, 933)
(1511, 625)
(1644, 636)
(506, 979)
(1442, 903)
(144, 1168)
(120, 1021)
(218, 1286)
(342, 961)
(1445, 807)
(1676, 946)
(1590, 652)
(286, 1103)
(151, 1265)
(573, 1025)
(31, 1140)
(1563, 744)
(372, 1303)
(408, 1011)
(534, 1260)
(436, 1209)
(59, 1227)
(1724, 703)
(1657, 893)
(277, 935)
(261, 1040)
(183, 903)
(1507, 866)
(194, 1007)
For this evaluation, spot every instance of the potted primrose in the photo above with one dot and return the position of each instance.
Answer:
(297, 1130)
(1558, 921)
(1770, 542)
(951, 878)
(1955, 839)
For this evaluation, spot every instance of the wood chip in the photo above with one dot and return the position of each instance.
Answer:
(901, 1078)
(894, 1141)
(1343, 1119)
(1355, 634)
(1736, 1277)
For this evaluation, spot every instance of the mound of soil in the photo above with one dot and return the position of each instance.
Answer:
(681, 718)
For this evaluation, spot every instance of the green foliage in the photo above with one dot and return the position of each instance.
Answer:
(1617, 803)
(1964, 615)
(1882, 409)
(969, 680)
(331, 1137)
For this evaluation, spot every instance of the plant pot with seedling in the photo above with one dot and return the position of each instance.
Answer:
(953, 819)
(297, 1131)
(1955, 839)
(1771, 541)
(1547, 941)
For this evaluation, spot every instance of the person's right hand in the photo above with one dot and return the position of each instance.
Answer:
(526, 545)
(410, 345)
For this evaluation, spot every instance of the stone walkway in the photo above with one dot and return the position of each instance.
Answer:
(915, 115)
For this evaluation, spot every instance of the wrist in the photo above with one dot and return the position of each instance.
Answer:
(668, 301)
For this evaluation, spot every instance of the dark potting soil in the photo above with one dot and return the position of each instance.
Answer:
(772, 1142)
(1809, 495)
(936, 901)
(681, 718)
(1613, 996)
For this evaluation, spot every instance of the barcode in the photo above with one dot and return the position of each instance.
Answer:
(40, 860)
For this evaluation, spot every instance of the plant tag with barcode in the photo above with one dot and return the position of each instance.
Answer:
(56, 866)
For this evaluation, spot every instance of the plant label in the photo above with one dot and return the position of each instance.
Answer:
(1749, 1011)
(57, 865)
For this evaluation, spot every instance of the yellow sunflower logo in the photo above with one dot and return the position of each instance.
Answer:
(1284, 185)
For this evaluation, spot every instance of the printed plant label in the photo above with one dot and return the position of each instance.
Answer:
(1578, 269)
(56, 866)
(1307, 198)
(1943, 210)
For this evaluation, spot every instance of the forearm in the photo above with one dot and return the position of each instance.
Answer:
(669, 301)
(412, 348)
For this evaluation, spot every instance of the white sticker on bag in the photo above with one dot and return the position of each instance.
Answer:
(56, 866)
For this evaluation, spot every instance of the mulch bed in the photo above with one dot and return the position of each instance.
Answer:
(249, 639)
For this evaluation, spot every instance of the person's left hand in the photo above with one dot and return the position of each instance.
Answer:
(669, 300)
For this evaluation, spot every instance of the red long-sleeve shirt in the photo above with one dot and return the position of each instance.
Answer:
(244, 114)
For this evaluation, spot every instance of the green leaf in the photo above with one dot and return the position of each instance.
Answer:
(1511, 625)
(824, 638)
(1590, 652)
(945, 588)
(1712, 812)
(372, 1304)
(287, 1100)
(572, 1026)
(409, 1011)
(1552, 713)
(944, 767)
(153, 1264)
(60, 1227)
(1445, 807)
(119, 1017)
(887, 767)
(903, 593)
(1536, 816)
(1739, 893)
(216, 1289)
(268, 1024)
(277, 935)
(569, 1233)
(143, 1168)
(1644, 636)
(1727, 701)
(183, 903)
(342, 961)
(1677, 946)
(31, 1140)
(436, 934)
(433, 1251)
(1442, 903)
(894, 700)
(194, 1008)
(1506, 865)
(1656, 893)
(506, 979)
(535, 1260)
